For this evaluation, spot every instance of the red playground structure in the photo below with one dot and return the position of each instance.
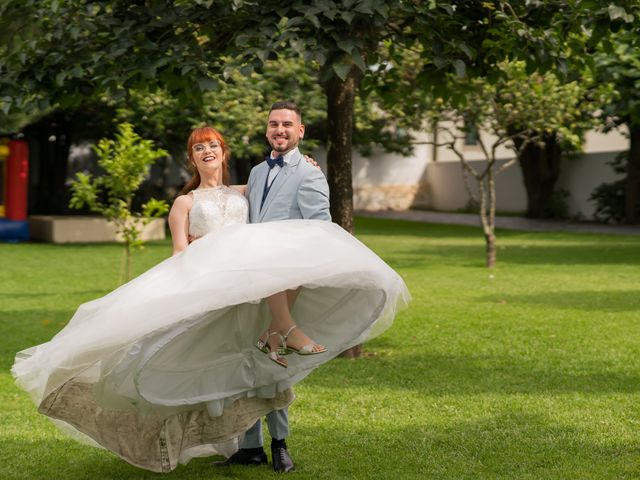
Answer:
(14, 184)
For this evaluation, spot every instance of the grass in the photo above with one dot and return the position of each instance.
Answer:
(531, 371)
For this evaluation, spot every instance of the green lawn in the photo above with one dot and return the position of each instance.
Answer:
(531, 371)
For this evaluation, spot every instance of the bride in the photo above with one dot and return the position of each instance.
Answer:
(166, 367)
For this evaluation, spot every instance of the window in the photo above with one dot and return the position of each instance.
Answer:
(471, 137)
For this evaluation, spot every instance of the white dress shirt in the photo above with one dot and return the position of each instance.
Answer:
(273, 173)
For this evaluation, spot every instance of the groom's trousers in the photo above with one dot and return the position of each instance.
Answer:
(278, 423)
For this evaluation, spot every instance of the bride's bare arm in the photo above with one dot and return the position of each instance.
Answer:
(179, 222)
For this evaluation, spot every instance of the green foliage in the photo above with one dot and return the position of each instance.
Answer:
(558, 206)
(610, 198)
(618, 64)
(610, 202)
(106, 48)
(126, 162)
(64, 52)
(522, 106)
(238, 108)
(543, 103)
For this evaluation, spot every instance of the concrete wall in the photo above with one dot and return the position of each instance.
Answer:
(388, 181)
(85, 229)
(448, 193)
(580, 175)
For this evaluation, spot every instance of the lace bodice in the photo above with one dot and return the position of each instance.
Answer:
(216, 207)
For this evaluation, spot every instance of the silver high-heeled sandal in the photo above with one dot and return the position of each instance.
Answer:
(262, 344)
(274, 355)
(307, 349)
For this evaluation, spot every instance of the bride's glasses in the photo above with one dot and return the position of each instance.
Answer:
(201, 147)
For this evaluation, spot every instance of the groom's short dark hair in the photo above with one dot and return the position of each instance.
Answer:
(286, 105)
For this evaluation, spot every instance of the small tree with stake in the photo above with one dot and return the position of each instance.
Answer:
(126, 162)
(517, 111)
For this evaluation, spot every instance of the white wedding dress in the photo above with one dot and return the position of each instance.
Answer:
(165, 367)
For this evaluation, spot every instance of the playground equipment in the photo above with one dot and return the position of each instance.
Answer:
(14, 176)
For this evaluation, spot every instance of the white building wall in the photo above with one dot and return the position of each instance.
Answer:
(389, 181)
(448, 193)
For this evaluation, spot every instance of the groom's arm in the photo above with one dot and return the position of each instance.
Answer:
(313, 196)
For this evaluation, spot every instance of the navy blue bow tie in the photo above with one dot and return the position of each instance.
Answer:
(275, 161)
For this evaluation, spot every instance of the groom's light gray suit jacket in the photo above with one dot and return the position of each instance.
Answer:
(299, 191)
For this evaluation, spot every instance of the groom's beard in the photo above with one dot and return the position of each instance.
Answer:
(283, 148)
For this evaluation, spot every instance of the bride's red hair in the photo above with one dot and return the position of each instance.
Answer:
(203, 135)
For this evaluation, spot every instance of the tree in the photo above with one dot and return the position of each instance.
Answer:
(618, 63)
(109, 47)
(126, 162)
(572, 106)
(239, 109)
(518, 111)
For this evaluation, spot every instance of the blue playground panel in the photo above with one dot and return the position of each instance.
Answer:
(13, 230)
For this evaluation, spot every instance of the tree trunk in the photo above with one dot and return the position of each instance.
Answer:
(488, 215)
(540, 167)
(632, 182)
(340, 98)
(353, 352)
(490, 240)
(125, 263)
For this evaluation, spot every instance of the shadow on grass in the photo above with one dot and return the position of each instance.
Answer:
(382, 227)
(379, 226)
(96, 293)
(590, 254)
(514, 247)
(603, 301)
(508, 443)
(469, 375)
(429, 255)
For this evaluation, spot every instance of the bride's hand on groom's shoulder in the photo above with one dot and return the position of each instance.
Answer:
(312, 161)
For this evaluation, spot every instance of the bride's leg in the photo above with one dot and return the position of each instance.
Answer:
(281, 320)
(291, 296)
(280, 311)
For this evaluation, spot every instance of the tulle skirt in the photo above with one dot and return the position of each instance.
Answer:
(165, 367)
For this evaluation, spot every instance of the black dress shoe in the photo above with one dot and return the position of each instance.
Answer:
(282, 462)
(244, 457)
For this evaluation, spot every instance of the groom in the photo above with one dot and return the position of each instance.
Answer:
(283, 187)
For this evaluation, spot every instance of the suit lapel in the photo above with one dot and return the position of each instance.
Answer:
(279, 181)
(256, 191)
